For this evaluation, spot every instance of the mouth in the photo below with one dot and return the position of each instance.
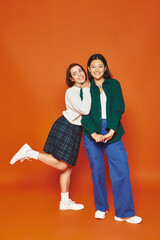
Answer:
(81, 78)
(98, 75)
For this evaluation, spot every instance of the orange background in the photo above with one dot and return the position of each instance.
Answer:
(39, 39)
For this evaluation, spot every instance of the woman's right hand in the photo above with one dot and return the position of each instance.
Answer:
(97, 137)
(86, 84)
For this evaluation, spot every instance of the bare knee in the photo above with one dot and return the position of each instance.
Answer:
(63, 166)
(66, 168)
(69, 170)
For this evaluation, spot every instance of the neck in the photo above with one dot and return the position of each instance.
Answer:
(77, 85)
(99, 81)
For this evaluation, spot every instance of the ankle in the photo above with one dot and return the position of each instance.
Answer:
(64, 197)
(32, 154)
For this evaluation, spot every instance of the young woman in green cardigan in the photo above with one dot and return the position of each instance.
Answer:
(102, 132)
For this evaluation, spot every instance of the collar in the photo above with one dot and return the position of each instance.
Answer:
(105, 81)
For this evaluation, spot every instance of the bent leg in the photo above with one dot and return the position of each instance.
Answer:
(52, 161)
(26, 152)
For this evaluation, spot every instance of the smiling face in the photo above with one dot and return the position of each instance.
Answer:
(97, 69)
(77, 75)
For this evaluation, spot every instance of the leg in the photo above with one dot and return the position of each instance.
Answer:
(26, 152)
(95, 156)
(52, 161)
(65, 180)
(66, 203)
(120, 177)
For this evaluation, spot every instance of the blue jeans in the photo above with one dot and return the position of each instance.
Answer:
(119, 174)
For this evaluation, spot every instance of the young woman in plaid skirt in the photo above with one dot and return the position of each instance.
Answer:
(63, 142)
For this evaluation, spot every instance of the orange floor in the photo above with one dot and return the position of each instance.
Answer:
(39, 39)
(30, 211)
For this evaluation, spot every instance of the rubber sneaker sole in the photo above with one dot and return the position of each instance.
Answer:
(18, 155)
(133, 220)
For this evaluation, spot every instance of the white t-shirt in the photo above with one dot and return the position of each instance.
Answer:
(75, 107)
(103, 98)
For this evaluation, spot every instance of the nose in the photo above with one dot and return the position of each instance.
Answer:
(79, 74)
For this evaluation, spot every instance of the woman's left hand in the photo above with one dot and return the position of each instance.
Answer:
(109, 135)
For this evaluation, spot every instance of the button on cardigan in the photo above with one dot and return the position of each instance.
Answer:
(78, 102)
(114, 108)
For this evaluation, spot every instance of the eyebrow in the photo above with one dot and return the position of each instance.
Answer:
(97, 64)
(77, 70)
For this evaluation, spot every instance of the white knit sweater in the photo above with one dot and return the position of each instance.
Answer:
(75, 107)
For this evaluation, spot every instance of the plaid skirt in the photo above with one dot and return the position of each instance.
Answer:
(64, 140)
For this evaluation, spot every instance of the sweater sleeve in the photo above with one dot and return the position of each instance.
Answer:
(117, 107)
(81, 106)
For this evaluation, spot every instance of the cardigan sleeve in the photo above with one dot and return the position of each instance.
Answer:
(82, 106)
(117, 107)
(88, 124)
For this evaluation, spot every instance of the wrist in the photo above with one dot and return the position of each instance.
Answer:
(111, 131)
(93, 135)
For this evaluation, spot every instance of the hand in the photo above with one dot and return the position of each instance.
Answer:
(97, 137)
(86, 84)
(108, 136)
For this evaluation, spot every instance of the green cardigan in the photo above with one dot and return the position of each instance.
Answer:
(114, 109)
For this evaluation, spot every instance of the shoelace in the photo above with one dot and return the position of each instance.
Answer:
(71, 202)
(27, 158)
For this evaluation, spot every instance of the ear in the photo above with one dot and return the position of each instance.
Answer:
(88, 69)
(71, 79)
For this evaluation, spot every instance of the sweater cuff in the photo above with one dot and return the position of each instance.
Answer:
(112, 125)
(91, 130)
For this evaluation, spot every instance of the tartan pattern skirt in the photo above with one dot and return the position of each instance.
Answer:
(64, 140)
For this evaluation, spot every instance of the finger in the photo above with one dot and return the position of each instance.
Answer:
(106, 136)
(99, 140)
(107, 139)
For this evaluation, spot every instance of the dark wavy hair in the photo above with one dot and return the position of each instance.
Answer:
(107, 73)
(68, 74)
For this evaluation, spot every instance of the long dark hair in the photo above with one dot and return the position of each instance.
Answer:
(107, 73)
(68, 74)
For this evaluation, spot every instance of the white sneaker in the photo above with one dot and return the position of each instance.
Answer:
(70, 205)
(21, 154)
(99, 214)
(134, 219)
